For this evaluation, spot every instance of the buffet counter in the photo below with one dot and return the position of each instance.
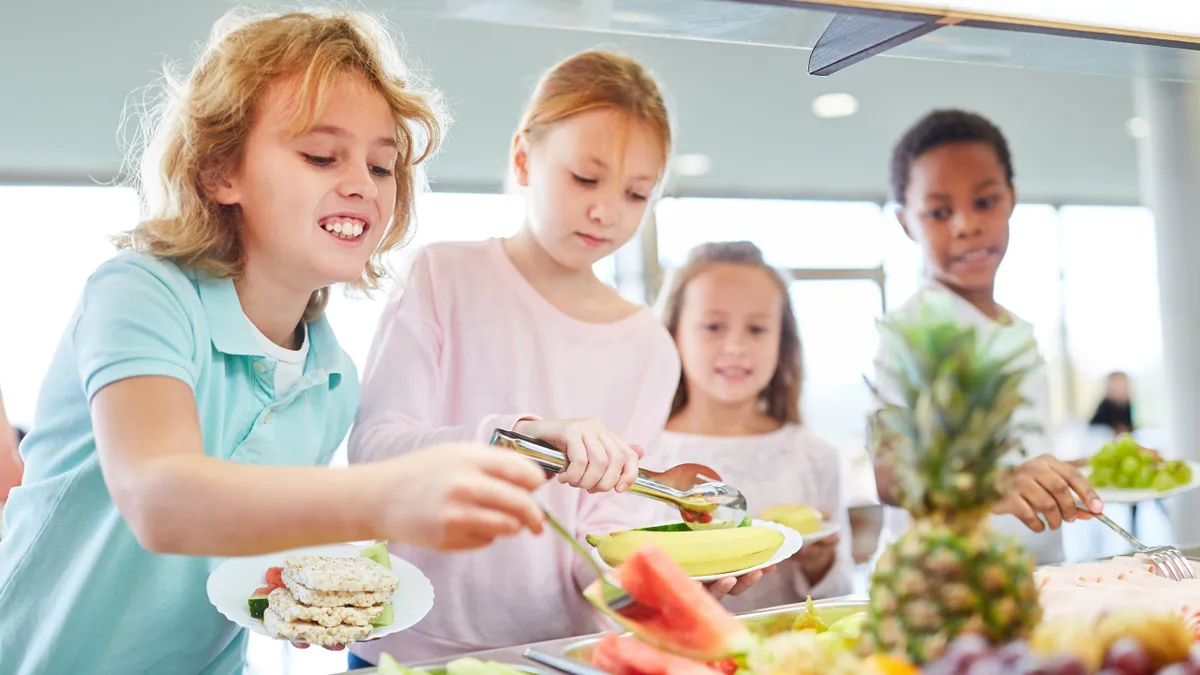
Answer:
(768, 621)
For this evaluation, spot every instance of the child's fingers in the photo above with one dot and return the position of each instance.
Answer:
(1038, 497)
(1016, 505)
(1056, 486)
(614, 469)
(512, 468)
(1081, 486)
(507, 502)
(597, 462)
(577, 459)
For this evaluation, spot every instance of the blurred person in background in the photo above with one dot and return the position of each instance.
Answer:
(1115, 410)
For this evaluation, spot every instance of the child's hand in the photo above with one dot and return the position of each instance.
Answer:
(597, 461)
(1043, 485)
(736, 586)
(817, 558)
(457, 496)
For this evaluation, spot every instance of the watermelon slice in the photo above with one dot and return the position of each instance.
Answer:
(682, 617)
(618, 655)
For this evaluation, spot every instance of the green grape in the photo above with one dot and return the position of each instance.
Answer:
(1146, 477)
(1127, 445)
(1163, 481)
(1130, 466)
(1123, 480)
(1180, 471)
(1102, 477)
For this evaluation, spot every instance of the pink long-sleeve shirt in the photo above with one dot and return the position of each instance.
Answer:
(789, 466)
(470, 346)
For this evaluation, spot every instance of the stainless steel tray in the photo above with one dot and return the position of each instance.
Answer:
(440, 668)
(764, 623)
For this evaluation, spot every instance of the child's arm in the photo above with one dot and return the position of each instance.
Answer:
(177, 500)
(10, 461)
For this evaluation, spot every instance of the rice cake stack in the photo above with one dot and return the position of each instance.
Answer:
(328, 601)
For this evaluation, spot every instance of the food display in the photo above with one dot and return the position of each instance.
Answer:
(700, 552)
(1123, 464)
(327, 600)
(950, 597)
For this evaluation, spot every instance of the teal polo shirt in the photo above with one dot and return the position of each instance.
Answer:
(78, 594)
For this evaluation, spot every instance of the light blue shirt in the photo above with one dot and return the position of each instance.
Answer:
(78, 594)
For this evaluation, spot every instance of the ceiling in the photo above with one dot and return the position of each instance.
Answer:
(74, 67)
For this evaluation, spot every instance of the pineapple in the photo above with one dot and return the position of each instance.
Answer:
(944, 442)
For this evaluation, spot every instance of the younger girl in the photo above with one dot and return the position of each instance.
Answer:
(737, 408)
(166, 423)
(952, 176)
(488, 334)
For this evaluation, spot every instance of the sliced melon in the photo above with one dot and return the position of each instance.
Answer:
(618, 655)
(681, 616)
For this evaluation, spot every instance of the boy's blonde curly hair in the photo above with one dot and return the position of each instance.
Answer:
(201, 125)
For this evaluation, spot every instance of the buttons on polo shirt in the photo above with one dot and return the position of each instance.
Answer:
(260, 367)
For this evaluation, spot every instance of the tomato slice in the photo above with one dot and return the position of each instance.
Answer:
(265, 590)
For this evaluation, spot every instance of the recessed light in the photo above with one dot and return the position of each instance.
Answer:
(834, 105)
(1137, 127)
(692, 164)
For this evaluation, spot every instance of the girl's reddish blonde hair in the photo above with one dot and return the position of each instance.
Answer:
(781, 397)
(595, 80)
(200, 127)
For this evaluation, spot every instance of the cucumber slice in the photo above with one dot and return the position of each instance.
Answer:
(379, 553)
(390, 666)
(386, 618)
(258, 606)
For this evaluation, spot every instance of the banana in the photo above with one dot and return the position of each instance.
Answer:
(700, 552)
(803, 519)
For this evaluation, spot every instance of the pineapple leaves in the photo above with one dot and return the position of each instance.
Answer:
(952, 426)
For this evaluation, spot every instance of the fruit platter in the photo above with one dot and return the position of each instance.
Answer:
(1123, 472)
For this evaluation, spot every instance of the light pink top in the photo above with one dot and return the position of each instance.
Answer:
(470, 346)
(788, 466)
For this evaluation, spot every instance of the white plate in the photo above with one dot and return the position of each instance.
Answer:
(1115, 495)
(827, 528)
(233, 582)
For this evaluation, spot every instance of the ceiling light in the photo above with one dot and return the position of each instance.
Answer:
(1137, 127)
(834, 105)
(692, 165)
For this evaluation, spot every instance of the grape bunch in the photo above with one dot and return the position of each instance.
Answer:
(1124, 464)
(972, 655)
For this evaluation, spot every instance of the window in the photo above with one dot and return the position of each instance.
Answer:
(1110, 292)
(43, 267)
(839, 340)
(791, 234)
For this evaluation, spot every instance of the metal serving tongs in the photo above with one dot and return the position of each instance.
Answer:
(703, 503)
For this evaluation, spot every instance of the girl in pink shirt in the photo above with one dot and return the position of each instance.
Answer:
(737, 409)
(520, 334)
